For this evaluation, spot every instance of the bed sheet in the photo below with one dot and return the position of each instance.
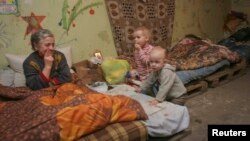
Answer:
(165, 119)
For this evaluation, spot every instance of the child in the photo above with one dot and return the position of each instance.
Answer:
(142, 51)
(163, 80)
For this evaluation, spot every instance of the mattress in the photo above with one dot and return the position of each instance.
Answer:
(124, 131)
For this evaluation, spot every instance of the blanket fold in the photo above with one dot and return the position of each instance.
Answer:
(64, 113)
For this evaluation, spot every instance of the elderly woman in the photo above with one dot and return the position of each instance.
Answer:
(45, 66)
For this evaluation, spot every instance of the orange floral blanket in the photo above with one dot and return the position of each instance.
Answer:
(63, 113)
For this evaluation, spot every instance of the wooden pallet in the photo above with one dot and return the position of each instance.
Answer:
(176, 137)
(196, 88)
(181, 135)
(227, 74)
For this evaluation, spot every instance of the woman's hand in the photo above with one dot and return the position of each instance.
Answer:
(48, 59)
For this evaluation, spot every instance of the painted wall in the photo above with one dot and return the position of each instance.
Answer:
(90, 32)
(203, 18)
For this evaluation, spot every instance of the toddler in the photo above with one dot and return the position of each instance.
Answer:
(163, 80)
(142, 51)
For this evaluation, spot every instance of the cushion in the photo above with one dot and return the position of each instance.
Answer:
(114, 70)
(67, 52)
(7, 77)
(16, 64)
(16, 61)
(19, 79)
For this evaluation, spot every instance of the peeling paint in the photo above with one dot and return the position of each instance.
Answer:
(104, 36)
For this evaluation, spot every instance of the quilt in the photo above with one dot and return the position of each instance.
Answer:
(65, 112)
(192, 53)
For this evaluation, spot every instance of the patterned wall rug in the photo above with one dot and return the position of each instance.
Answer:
(126, 15)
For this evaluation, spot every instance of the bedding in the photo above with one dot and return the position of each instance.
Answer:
(243, 50)
(7, 77)
(65, 112)
(187, 76)
(123, 131)
(192, 53)
(164, 119)
(239, 42)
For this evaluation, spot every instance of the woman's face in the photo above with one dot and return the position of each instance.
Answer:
(46, 44)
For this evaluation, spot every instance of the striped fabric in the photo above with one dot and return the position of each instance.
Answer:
(124, 131)
(142, 61)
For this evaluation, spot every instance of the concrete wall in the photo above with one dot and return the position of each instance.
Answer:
(204, 18)
(242, 6)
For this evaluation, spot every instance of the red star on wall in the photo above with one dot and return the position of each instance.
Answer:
(33, 23)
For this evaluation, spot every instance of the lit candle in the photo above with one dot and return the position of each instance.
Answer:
(98, 55)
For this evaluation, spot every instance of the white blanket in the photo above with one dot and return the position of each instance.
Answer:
(165, 119)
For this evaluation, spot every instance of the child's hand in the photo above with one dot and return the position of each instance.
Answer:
(153, 102)
(137, 89)
(129, 81)
(137, 47)
(133, 74)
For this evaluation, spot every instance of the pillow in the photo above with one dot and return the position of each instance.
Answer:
(16, 61)
(19, 79)
(16, 64)
(114, 70)
(67, 53)
(7, 77)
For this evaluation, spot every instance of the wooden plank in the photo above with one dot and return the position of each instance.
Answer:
(176, 137)
(179, 136)
(216, 78)
(227, 74)
(197, 88)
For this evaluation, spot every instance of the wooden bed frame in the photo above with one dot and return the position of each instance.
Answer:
(220, 77)
(227, 74)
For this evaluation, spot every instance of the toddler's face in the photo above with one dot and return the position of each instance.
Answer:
(156, 63)
(140, 38)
